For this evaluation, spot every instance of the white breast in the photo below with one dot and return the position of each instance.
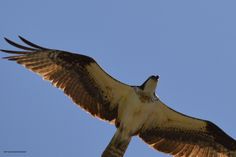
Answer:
(133, 113)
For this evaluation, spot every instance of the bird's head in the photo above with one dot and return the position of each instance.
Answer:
(150, 84)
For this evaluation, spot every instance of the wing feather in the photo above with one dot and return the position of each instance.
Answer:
(32, 44)
(18, 45)
(183, 136)
(79, 76)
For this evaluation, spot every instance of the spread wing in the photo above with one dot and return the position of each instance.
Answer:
(182, 136)
(79, 76)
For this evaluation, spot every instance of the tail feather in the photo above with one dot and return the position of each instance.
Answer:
(117, 146)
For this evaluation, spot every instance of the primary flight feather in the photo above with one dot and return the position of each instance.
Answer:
(135, 110)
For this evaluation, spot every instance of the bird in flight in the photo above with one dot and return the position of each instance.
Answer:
(134, 110)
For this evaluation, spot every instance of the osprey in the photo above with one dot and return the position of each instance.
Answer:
(135, 110)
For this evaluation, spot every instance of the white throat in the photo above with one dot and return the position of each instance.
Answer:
(150, 86)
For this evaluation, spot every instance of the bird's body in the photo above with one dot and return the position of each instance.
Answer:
(135, 110)
(134, 115)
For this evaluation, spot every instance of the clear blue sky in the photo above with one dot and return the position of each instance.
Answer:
(190, 44)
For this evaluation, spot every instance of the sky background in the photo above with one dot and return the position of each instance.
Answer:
(190, 44)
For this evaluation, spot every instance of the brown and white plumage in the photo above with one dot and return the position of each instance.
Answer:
(181, 135)
(134, 109)
(79, 76)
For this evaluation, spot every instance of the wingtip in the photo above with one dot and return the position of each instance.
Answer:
(2, 50)
(21, 38)
(5, 58)
(31, 44)
(10, 58)
(6, 39)
(14, 52)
